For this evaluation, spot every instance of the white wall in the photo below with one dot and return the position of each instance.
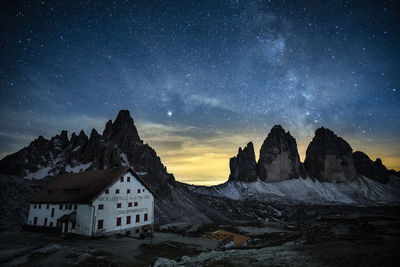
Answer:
(42, 211)
(110, 212)
(86, 224)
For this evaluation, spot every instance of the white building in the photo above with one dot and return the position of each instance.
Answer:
(95, 203)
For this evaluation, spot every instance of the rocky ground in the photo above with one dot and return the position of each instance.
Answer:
(327, 241)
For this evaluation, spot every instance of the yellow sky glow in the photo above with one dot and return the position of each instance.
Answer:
(205, 161)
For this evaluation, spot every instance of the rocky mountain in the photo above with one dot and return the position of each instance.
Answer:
(119, 144)
(329, 158)
(374, 170)
(279, 159)
(244, 167)
(253, 192)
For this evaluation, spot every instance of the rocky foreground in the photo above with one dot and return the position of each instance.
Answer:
(362, 238)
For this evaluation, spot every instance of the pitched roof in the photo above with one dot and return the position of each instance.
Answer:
(81, 187)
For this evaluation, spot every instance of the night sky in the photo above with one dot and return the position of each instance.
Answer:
(202, 78)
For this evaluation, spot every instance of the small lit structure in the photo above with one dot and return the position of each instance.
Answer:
(228, 239)
(95, 203)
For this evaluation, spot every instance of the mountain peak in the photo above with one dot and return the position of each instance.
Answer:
(279, 159)
(123, 115)
(374, 170)
(277, 129)
(123, 127)
(324, 132)
(244, 167)
(329, 157)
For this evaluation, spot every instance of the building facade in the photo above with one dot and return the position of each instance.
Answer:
(95, 203)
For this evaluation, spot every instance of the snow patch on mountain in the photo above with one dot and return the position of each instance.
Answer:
(77, 168)
(39, 174)
(362, 191)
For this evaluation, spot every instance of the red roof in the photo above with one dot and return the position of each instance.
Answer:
(81, 187)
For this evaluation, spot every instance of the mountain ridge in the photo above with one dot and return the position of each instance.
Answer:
(120, 145)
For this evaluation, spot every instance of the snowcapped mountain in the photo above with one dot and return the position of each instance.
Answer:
(331, 174)
(362, 191)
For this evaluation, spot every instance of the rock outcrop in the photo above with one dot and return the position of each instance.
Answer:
(244, 167)
(279, 159)
(329, 158)
(374, 170)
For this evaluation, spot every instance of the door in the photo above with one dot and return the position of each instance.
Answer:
(66, 227)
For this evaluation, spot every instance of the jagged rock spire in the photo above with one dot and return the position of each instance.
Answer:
(123, 129)
(244, 167)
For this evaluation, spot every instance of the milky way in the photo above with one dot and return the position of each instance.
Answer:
(202, 78)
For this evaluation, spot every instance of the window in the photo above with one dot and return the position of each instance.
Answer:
(143, 190)
(60, 207)
(106, 191)
(146, 217)
(138, 191)
(116, 191)
(35, 220)
(137, 230)
(52, 212)
(119, 221)
(100, 224)
(45, 221)
(122, 179)
(51, 224)
(137, 218)
(119, 205)
(100, 207)
(135, 204)
(34, 206)
(70, 207)
(128, 191)
(48, 206)
(130, 204)
(128, 220)
(40, 206)
(75, 207)
(128, 179)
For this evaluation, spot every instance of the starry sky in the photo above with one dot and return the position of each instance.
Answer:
(202, 78)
